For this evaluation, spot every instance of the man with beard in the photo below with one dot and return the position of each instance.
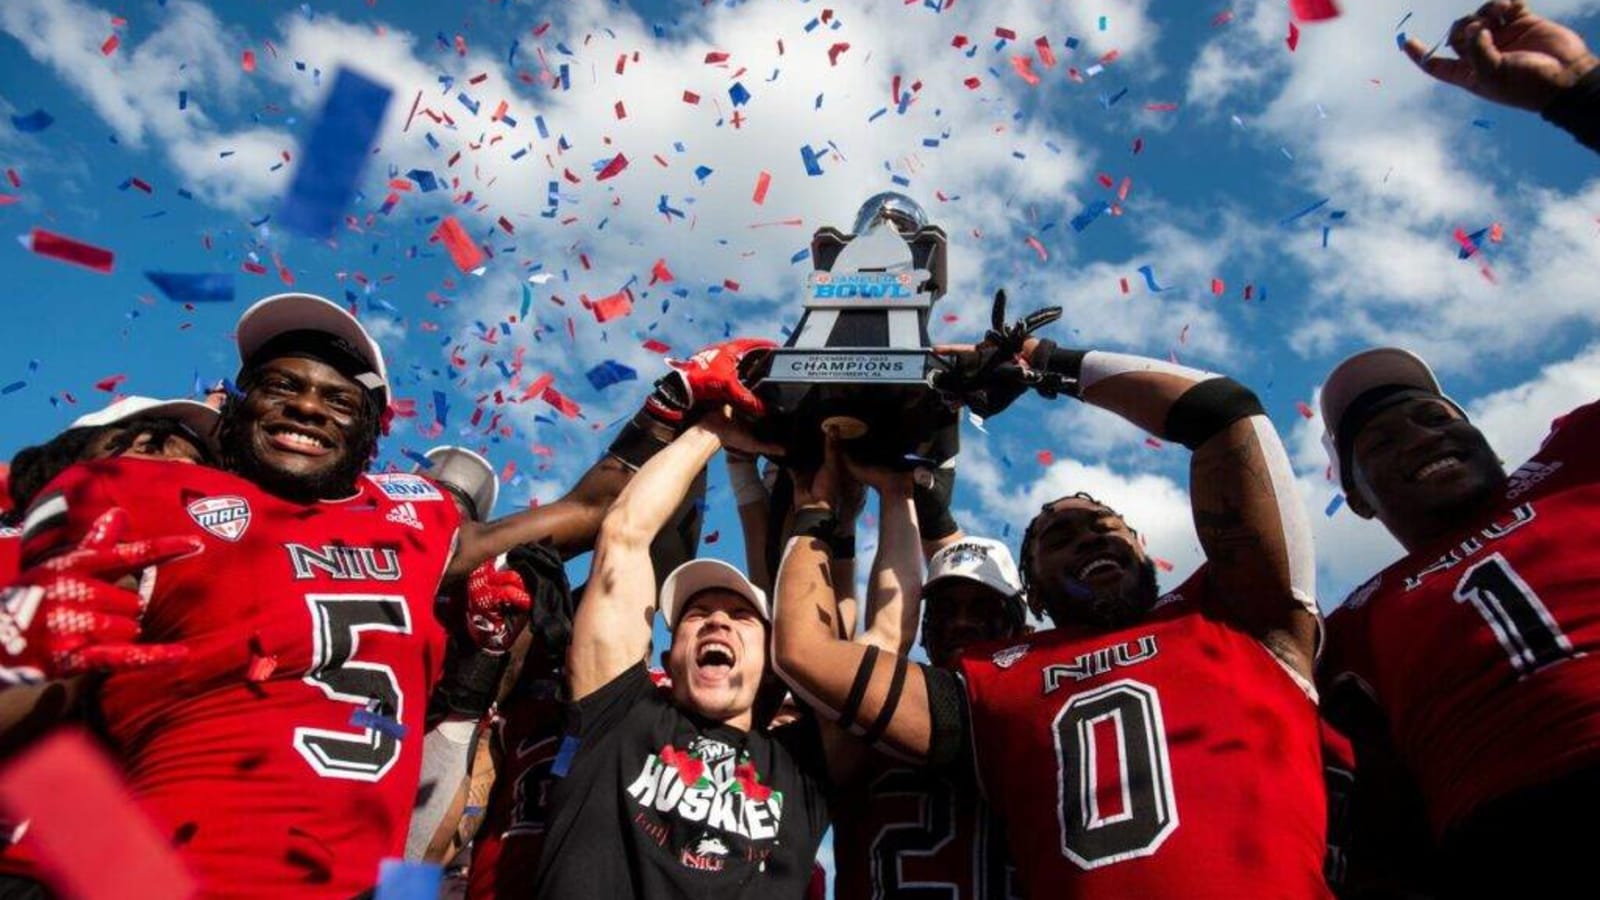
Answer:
(901, 827)
(279, 744)
(1148, 745)
(1473, 662)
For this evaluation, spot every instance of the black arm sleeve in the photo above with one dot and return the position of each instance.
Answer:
(1576, 110)
(950, 740)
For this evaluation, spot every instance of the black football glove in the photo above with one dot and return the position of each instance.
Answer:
(992, 375)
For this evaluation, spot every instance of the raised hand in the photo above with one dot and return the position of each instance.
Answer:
(709, 378)
(67, 616)
(498, 605)
(1508, 55)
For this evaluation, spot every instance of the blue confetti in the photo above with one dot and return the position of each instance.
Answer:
(1084, 219)
(366, 718)
(334, 155)
(13, 387)
(194, 287)
(563, 763)
(441, 408)
(33, 122)
(1333, 505)
(1150, 279)
(608, 373)
(812, 160)
(738, 94)
(702, 173)
(399, 879)
(1305, 212)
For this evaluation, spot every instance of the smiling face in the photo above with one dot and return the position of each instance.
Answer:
(1420, 467)
(718, 657)
(1086, 566)
(959, 612)
(303, 431)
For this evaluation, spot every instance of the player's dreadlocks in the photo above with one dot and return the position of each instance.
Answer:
(1035, 604)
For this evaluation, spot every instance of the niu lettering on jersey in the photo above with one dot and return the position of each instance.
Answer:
(905, 832)
(1484, 652)
(282, 755)
(1173, 758)
(527, 736)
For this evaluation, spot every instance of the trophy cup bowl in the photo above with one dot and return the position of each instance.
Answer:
(858, 363)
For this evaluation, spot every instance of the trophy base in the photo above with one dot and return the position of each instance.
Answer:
(893, 426)
(846, 428)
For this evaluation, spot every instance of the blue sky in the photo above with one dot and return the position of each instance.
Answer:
(1237, 134)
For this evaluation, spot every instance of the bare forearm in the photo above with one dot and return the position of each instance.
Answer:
(893, 591)
(823, 668)
(648, 501)
(753, 524)
(569, 524)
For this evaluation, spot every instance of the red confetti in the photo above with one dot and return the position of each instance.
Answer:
(1217, 287)
(691, 98)
(716, 56)
(466, 254)
(1496, 232)
(1124, 282)
(58, 246)
(90, 837)
(247, 61)
(617, 164)
(763, 181)
(562, 403)
(1023, 66)
(537, 387)
(1006, 33)
(1046, 55)
(1294, 37)
(972, 83)
(660, 272)
(109, 383)
(1046, 457)
(960, 41)
(110, 46)
(613, 307)
(1313, 10)
(1038, 248)
(1138, 145)
(713, 537)
(655, 346)
(622, 111)
(1162, 564)
(835, 50)
(1152, 443)
(14, 178)
(1303, 409)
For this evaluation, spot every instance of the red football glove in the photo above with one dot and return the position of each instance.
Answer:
(66, 616)
(709, 377)
(492, 594)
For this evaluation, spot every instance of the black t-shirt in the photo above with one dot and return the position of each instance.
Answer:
(653, 802)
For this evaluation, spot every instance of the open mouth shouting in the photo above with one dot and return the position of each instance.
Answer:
(714, 659)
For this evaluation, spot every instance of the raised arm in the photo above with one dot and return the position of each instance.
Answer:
(895, 585)
(879, 696)
(1251, 524)
(709, 378)
(611, 630)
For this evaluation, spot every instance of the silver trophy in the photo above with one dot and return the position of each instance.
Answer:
(859, 361)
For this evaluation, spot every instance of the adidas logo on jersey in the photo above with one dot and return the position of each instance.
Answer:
(404, 514)
(1528, 477)
(225, 517)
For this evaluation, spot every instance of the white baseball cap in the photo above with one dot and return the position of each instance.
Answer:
(982, 560)
(197, 417)
(467, 472)
(282, 314)
(1380, 367)
(698, 575)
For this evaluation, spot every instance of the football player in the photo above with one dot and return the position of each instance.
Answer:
(1149, 745)
(278, 745)
(1478, 653)
(899, 828)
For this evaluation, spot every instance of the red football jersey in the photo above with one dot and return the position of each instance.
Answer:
(911, 829)
(282, 756)
(1174, 758)
(10, 554)
(1484, 651)
(527, 735)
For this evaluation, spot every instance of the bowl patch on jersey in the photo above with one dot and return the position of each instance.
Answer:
(225, 517)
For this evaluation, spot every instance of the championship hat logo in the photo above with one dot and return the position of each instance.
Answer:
(225, 517)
